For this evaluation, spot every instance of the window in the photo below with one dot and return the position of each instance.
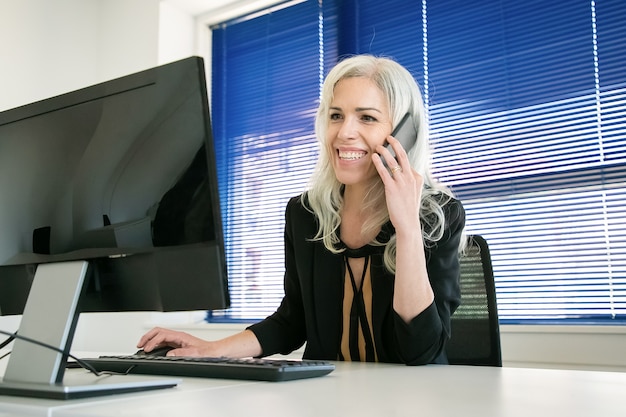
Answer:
(528, 118)
(526, 114)
(267, 71)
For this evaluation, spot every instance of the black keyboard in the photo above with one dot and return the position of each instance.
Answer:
(265, 369)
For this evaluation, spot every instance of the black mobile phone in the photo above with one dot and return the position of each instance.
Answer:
(404, 132)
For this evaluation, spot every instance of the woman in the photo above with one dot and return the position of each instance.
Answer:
(371, 252)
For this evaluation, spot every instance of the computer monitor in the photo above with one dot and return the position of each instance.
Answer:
(116, 184)
(121, 174)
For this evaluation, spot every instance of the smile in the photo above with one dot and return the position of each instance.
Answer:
(351, 155)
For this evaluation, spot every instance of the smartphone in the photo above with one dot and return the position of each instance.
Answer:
(404, 132)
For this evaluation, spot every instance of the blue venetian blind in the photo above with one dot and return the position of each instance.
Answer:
(266, 77)
(528, 124)
(528, 117)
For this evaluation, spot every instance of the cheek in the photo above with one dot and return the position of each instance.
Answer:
(378, 140)
(331, 131)
(329, 147)
(331, 135)
(378, 137)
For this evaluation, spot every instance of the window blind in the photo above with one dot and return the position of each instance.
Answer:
(528, 117)
(266, 81)
(529, 132)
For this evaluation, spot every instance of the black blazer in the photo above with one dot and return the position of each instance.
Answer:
(312, 306)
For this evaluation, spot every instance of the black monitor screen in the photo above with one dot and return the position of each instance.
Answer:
(121, 174)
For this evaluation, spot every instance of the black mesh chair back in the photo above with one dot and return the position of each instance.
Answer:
(475, 338)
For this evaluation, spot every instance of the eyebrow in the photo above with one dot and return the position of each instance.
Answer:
(358, 109)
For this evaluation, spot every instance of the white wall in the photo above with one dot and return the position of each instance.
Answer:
(176, 37)
(567, 347)
(52, 47)
(47, 48)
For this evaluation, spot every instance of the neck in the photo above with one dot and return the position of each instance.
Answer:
(355, 195)
(353, 216)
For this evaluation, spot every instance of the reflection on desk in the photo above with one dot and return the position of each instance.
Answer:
(358, 389)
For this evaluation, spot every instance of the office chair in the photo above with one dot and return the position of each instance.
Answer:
(475, 338)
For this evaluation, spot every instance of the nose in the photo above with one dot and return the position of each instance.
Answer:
(348, 128)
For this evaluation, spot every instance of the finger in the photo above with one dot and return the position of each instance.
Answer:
(386, 158)
(163, 337)
(400, 155)
(389, 156)
(148, 336)
(395, 170)
(382, 169)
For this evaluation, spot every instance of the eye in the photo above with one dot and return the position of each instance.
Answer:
(368, 118)
(335, 116)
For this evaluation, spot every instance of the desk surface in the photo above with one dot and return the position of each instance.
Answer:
(357, 389)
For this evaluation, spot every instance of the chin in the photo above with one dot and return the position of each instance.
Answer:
(353, 178)
(354, 172)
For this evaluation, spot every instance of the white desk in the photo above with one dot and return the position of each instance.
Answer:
(356, 389)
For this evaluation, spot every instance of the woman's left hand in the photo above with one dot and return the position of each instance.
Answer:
(403, 185)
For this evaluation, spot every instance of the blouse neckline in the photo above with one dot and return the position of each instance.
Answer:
(367, 250)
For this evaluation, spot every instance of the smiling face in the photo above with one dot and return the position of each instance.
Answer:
(358, 120)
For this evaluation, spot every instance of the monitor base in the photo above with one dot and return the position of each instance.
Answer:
(85, 385)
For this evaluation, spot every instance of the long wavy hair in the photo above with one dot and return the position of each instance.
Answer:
(325, 192)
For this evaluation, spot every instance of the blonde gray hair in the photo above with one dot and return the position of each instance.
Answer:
(325, 193)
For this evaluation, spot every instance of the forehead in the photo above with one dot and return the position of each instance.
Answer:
(358, 90)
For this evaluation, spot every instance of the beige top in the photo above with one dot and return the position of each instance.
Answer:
(356, 338)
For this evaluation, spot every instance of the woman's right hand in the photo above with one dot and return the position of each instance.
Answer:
(183, 344)
(239, 345)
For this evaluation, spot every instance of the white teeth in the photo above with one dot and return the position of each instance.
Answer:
(351, 156)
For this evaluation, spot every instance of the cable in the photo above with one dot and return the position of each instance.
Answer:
(6, 343)
(9, 340)
(82, 364)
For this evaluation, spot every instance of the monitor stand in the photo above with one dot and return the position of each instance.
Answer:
(50, 316)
